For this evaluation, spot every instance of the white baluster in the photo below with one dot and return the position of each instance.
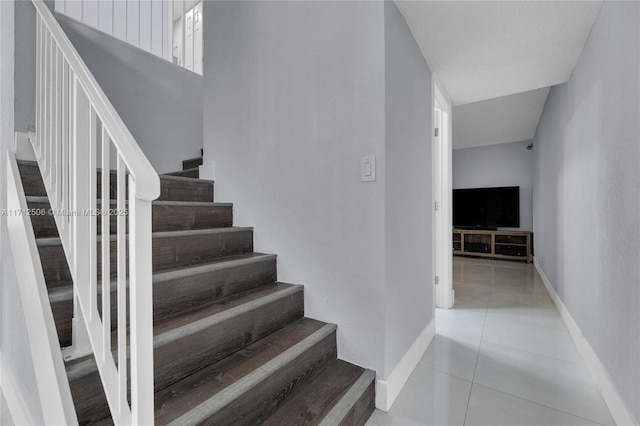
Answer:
(122, 279)
(91, 210)
(141, 294)
(106, 245)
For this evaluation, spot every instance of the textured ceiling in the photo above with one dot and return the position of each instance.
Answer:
(500, 120)
(491, 57)
(486, 49)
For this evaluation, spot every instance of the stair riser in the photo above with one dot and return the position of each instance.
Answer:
(170, 189)
(164, 218)
(190, 164)
(193, 352)
(182, 218)
(190, 173)
(167, 252)
(257, 404)
(190, 249)
(362, 409)
(62, 316)
(32, 180)
(174, 296)
(185, 190)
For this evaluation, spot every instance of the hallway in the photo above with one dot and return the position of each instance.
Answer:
(503, 356)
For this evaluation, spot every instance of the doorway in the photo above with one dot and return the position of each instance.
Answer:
(442, 199)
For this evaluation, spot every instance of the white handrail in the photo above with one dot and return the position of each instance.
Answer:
(78, 129)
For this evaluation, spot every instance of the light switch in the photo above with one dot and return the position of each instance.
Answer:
(368, 169)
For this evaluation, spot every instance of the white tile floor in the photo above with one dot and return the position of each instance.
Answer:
(502, 356)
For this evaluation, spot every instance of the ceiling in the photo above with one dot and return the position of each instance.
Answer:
(481, 50)
(499, 120)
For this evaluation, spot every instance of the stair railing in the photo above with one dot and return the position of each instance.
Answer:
(79, 136)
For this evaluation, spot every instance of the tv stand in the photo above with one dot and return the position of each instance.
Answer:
(508, 245)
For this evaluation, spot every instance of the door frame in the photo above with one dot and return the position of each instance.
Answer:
(442, 206)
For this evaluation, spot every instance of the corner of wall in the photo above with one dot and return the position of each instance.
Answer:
(388, 389)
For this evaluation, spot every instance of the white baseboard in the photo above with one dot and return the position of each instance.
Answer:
(19, 413)
(619, 411)
(388, 390)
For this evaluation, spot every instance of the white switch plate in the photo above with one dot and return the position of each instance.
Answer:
(368, 168)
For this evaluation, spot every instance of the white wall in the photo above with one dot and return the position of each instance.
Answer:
(587, 194)
(5, 414)
(408, 221)
(14, 344)
(141, 23)
(294, 97)
(507, 164)
(161, 103)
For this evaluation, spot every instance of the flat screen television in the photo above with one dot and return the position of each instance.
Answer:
(486, 208)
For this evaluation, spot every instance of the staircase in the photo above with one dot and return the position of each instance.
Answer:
(231, 343)
(190, 168)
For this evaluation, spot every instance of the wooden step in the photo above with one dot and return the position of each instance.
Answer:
(193, 172)
(180, 290)
(191, 163)
(246, 387)
(191, 342)
(166, 216)
(177, 188)
(172, 188)
(341, 393)
(31, 178)
(170, 249)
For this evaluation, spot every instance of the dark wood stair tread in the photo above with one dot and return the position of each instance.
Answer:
(193, 390)
(207, 312)
(192, 162)
(198, 339)
(193, 172)
(169, 330)
(316, 398)
(166, 216)
(170, 249)
(64, 293)
(177, 188)
(217, 263)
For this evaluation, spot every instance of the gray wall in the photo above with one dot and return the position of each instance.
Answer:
(409, 112)
(506, 164)
(294, 97)
(587, 194)
(14, 343)
(160, 103)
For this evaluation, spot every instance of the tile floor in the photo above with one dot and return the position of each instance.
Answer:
(502, 356)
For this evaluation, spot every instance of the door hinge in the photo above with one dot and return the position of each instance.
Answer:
(437, 132)
(437, 280)
(437, 206)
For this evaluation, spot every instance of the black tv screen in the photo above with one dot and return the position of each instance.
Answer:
(487, 207)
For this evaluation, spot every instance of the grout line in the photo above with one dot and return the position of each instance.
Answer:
(475, 368)
(537, 354)
(537, 403)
